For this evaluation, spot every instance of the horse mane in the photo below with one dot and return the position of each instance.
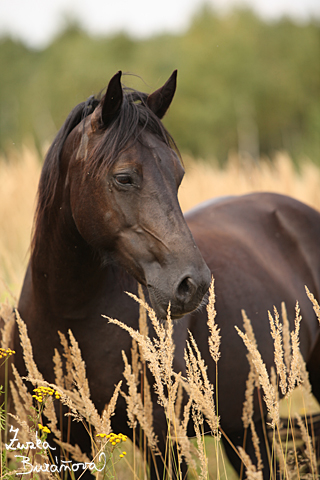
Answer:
(51, 168)
(133, 119)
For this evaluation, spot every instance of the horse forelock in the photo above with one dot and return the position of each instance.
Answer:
(127, 128)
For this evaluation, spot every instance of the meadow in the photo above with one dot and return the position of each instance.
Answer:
(19, 175)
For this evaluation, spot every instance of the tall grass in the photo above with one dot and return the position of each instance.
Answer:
(19, 177)
(293, 446)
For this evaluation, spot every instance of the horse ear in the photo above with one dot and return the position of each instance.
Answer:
(160, 100)
(112, 100)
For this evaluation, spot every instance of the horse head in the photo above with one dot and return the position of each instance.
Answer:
(122, 172)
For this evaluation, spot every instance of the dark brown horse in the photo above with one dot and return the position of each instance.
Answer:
(108, 216)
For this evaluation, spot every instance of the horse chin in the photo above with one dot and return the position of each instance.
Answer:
(176, 311)
(162, 314)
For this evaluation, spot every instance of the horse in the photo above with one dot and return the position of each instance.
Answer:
(108, 217)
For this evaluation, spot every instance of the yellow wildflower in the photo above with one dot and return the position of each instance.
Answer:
(44, 429)
(43, 392)
(6, 352)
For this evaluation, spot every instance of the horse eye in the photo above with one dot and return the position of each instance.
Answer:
(123, 179)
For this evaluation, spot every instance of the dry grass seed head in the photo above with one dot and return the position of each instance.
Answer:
(250, 334)
(251, 471)
(22, 389)
(253, 377)
(214, 338)
(68, 378)
(295, 370)
(270, 396)
(256, 442)
(304, 375)
(158, 327)
(149, 350)
(27, 349)
(19, 407)
(143, 322)
(109, 410)
(314, 302)
(81, 397)
(199, 386)
(178, 404)
(274, 381)
(135, 407)
(79, 368)
(135, 359)
(247, 409)
(286, 336)
(276, 333)
(158, 352)
(58, 369)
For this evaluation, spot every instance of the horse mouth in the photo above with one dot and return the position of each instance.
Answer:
(177, 309)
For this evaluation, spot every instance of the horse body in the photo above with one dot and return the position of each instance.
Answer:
(108, 216)
(262, 249)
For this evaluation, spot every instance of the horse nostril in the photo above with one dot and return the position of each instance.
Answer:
(186, 290)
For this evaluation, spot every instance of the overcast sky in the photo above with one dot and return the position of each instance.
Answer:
(37, 21)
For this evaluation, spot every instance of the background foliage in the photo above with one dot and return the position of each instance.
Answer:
(244, 84)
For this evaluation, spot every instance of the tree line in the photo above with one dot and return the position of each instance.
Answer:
(244, 84)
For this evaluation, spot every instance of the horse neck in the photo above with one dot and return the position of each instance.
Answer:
(67, 275)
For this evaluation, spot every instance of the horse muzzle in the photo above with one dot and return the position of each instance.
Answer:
(184, 295)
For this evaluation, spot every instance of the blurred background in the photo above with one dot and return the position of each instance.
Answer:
(249, 72)
(246, 115)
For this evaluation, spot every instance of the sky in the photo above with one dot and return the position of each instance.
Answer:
(36, 22)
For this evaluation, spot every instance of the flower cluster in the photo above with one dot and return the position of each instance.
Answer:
(42, 392)
(6, 352)
(114, 439)
(43, 429)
